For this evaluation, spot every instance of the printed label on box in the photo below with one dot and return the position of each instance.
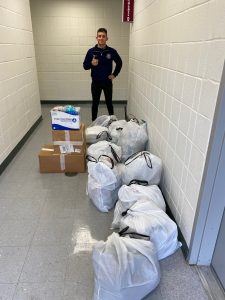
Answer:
(64, 121)
(66, 148)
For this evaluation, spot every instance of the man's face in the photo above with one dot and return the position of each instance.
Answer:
(101, 38)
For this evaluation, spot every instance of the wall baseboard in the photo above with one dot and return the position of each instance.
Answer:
(79, 102)
(13, 153)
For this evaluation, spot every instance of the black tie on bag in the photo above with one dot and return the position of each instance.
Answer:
(139, 182)
(134, 156)
(114, 154)
(108, 159)
(133, 235)
(93, 159)
(111, 120)
(108, 136)
(131, 117)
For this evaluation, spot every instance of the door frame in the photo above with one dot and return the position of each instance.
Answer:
(210, 210)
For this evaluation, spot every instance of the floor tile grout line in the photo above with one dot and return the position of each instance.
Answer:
(29, 247)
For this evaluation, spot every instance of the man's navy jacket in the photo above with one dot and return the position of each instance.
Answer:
(105, 58)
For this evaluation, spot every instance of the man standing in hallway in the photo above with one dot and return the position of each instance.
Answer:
(100, 60)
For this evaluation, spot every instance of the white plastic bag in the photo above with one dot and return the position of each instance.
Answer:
(144, 217)
(106, 148)
(133, 138)
(142, 166)
(104, 120)
(128, 195)
(125, 268)
(95, 134)
(115, 129)
(103, 185)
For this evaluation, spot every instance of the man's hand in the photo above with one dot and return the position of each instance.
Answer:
(111, 77)
(94, 61)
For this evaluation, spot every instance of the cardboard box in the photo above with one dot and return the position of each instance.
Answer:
(51, 160)
(73, 137)
(65, 120)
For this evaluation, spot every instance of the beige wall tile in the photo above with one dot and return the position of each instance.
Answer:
(181, 45)
(19, 94)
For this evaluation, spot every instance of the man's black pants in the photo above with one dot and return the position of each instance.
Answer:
(96, 90)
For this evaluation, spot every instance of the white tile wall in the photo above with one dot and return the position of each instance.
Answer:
(63, 32)
(19, 94)
(181, 45)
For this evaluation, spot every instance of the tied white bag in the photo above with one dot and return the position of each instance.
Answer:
(124, 268)
(104, 120)
(133, 138)
(103, 184)
(115, 129)
(142, 166)
(128, 195)
(147, 219)
(95, 134)
(106, 148)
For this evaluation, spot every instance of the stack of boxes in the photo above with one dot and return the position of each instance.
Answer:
(68, 151)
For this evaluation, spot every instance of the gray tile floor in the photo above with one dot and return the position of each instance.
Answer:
(48, 226)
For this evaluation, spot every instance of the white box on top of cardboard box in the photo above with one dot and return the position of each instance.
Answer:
(65, 120)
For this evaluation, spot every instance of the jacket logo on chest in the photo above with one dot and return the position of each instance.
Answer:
(108, 56)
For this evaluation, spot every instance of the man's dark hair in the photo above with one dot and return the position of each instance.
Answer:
(102, 30)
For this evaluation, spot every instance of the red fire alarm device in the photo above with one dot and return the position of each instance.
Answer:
(128, 10)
